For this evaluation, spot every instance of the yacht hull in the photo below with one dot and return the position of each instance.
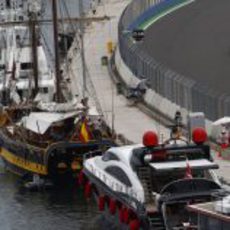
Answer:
(147, 216)
(121, 201)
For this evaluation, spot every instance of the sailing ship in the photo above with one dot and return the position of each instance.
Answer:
(15, 57)
(148, 186)
(46, 141)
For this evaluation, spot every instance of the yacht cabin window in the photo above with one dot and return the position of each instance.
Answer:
(2, 66)
(119, 174)
(108, 156)
(26, 65)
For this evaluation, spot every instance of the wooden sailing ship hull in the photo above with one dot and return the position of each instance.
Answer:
(59, 160)
(22, 166)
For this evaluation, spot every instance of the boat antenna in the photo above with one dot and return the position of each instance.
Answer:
(81, 12)
(56, 50)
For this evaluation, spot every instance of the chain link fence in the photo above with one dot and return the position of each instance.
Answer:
(182, 91)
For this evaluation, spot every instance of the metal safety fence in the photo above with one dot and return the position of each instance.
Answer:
(179, 89)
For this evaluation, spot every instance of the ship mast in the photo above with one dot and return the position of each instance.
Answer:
(4, 96)
(56, 50)
(33, 11)
(81, 10)
(33, 31)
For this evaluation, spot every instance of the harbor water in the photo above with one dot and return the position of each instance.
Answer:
(56, 209)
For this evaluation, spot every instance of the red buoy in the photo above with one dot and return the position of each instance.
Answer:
(88, 190)
(81, 178)
(134, 224)
(112, 206)
(199, 135)
(101, 203)
(150, 139)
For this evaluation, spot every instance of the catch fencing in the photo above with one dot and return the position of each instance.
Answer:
(179, 89)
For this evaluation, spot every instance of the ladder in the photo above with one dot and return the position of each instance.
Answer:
(156, 221)
(144, 174)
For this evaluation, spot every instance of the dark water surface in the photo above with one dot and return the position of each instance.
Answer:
(48, 210)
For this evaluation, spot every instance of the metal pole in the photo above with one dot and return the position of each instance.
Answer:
(56, 50)
(81, 12)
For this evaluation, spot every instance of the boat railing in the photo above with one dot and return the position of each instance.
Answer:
(39, 144)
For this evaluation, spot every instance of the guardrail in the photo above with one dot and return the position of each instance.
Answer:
(185, 92)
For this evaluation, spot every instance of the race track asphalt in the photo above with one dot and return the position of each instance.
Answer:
(195, 42)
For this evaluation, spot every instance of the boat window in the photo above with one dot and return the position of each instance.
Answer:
(108, 156)
(2, 67)
(44, 90)
(119, 174)
(26, 65)
(23, 76)
(20, 18)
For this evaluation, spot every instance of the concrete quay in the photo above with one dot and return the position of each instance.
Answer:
(129, 121)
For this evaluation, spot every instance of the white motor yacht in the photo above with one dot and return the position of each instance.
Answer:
(149, 185)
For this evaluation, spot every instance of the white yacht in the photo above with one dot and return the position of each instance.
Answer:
(149, 185)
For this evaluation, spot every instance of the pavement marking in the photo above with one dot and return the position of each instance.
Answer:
(151, 21)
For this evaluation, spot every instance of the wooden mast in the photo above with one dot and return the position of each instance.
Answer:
(56, 50)
(33, 18)
(81, 10)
